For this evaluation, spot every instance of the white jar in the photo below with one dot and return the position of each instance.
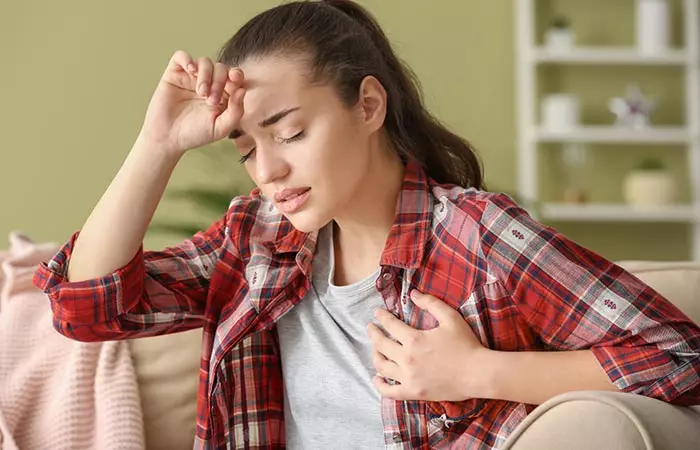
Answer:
(560, 112)
(559, 40)
(652, 26)
(650, 188)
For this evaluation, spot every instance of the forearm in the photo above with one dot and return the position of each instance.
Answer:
(534, 377)
(116, 227)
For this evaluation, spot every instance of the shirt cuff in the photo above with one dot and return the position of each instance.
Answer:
(90, 301)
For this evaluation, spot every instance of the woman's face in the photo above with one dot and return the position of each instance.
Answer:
(304, 149)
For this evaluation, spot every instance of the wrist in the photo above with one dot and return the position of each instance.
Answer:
(159, 153)
(486, 383)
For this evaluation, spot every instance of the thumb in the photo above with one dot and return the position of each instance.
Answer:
(443, 312)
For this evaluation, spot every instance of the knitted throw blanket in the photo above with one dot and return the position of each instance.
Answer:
(56, 393)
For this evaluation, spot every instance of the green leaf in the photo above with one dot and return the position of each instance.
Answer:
(180, 229)
(651, 164)
(217, 200)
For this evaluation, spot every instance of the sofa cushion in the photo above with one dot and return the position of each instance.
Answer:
(167, 368)
(679, 282)
(585, 420)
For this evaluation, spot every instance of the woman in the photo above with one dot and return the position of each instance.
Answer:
(364, 203)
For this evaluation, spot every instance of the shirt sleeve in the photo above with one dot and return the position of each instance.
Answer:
(575, 299)
(157, 292)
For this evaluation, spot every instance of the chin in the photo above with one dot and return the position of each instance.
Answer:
(307, 221)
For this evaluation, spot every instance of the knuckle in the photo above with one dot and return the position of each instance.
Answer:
(410, 361)
(204, 62)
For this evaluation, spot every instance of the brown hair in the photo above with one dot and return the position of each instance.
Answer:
(344, 44)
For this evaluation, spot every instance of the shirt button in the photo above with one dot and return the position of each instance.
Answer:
(387, 276)
(396, 437)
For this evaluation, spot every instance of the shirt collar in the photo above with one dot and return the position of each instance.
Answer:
(405, 246)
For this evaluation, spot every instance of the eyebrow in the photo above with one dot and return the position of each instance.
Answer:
(273, 119)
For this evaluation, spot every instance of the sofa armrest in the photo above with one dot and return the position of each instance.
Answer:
(607, 420)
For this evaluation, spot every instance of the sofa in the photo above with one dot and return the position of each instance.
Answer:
(167, 369)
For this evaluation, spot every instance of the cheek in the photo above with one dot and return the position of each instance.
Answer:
(339, 159)
(335, 156)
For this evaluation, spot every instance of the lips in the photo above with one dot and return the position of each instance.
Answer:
(290, 201)
(289, 194)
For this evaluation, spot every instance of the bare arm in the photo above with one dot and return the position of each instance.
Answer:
(535, 377)
(101, 284)
(195, 103)
(116, 227)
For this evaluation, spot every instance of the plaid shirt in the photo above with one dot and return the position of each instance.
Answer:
(521, 286)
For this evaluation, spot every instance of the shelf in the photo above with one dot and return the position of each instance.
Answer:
(619, 135)
(533, 61)
(611, 212)
(611, 55)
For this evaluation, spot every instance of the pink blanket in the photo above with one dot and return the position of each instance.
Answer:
(56, 393)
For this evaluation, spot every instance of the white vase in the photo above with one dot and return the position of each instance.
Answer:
(559, 40)
(560, 112)
(650, 188)
(652, 26)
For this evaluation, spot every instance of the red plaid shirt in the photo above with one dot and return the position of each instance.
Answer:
(519, 285)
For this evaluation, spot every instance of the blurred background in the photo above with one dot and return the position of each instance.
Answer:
(580, 116)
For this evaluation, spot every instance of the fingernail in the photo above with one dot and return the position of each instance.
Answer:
(191, 68)
(203, 89)
(414, 294)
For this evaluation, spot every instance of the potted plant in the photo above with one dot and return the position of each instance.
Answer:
(211, 201)
(559, 36)
(650, 184)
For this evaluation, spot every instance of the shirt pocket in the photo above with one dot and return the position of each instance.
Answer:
(447, 415)
(446, 422)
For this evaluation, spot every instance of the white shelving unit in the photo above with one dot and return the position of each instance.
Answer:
(611, 56)
(530, 135)
(612, 135)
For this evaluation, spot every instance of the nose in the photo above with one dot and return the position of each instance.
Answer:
(269, 166)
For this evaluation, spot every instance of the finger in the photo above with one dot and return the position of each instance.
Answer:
(385, 367)
(181, 60)
(205, 69)
(234, 82)
(236, 75)
(443, 312)
(218, 81)
(227, 121)
(386, 390)
(388, 347)
(396, 328)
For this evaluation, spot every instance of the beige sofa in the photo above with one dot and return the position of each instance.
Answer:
(168, 366)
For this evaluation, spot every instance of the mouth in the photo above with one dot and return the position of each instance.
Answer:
(290, 194)
(292, 200)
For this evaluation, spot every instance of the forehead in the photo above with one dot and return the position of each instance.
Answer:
(271, 80)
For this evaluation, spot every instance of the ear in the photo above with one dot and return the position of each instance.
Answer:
(371, 103)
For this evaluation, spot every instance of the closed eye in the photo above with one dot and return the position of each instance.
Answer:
(246, 157)
(294, 138)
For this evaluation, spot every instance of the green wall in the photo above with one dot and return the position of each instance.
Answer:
(77, 76)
